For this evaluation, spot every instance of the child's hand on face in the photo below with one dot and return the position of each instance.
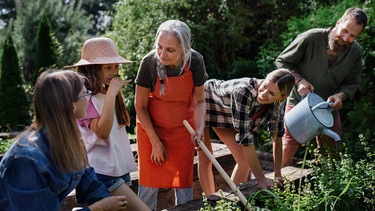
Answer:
(116, 85)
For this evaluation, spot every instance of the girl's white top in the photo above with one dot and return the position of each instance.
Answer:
(112, 157)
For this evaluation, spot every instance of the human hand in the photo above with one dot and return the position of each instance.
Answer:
(279, 181)
(304, 87)
(265, 183)
(197, 137)
(336, 101)
(159, 153)
(110, 203)
(116, 85)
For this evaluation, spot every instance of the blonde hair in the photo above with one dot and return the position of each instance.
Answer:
(284, 80)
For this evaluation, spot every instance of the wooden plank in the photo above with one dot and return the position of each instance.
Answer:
(248, 188)
(221, 153)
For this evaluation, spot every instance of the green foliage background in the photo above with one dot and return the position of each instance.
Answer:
(237, 39)
(69, 24)
(228, 34)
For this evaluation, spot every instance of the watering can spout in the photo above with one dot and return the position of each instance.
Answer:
(331, 134)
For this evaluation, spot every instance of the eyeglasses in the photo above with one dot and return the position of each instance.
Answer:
(87, 95)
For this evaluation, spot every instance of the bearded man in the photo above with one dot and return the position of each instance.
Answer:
(328, 63)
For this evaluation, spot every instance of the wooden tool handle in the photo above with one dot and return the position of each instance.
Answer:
(219, 168)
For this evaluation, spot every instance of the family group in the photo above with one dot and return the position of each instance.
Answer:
(78, 138)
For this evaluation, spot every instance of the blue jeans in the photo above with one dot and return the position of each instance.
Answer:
(112, 183)
(149, 195)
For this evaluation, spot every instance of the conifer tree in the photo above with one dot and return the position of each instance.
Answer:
(46, 47)
(69, 24)
(14, 104)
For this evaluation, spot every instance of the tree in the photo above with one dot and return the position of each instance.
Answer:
(69, 24)
(14, 104)
(227, 33)
(101, 11)
(46, 47)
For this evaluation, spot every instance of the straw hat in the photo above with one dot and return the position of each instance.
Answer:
(99, 50)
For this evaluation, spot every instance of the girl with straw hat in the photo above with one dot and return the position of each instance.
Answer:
(103, 128)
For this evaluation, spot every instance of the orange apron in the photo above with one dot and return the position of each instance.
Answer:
(167, 113)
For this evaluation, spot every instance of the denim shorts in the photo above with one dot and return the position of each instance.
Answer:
(112, 183)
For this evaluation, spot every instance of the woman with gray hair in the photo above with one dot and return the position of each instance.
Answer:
(169, 89)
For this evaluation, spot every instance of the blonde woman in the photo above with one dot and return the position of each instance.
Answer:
(238, 108)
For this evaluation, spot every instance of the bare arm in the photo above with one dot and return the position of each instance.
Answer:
(277, 158)
(110, 203)
(102, 126)
(254, 164)
(141, 107)
(199, 111)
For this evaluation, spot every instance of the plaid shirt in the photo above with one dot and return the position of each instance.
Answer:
(232, 103)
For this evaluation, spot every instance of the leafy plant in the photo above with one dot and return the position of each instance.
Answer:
(334, 185)
(221, 205)
(5, 144)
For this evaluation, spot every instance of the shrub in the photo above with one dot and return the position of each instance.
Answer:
(46, 47)
(341, 184)
(14, 104)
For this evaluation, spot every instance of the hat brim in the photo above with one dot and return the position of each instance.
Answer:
(101, 60)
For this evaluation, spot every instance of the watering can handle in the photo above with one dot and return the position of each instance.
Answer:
(328, 104)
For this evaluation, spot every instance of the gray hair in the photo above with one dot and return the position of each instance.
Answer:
(182, 33)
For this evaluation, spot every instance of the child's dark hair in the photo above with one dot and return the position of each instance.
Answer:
(92, 72)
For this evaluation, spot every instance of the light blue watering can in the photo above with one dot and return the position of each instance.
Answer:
(309, 118)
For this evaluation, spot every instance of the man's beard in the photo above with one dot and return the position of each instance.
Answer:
(337, 44)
